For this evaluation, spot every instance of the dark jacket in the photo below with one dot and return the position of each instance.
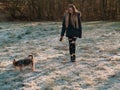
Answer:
(71, 31)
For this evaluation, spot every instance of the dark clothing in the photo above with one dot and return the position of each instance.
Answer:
(72, 46)
(72, 31)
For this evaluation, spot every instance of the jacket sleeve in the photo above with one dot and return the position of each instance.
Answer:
(63, 27)
(80, 26)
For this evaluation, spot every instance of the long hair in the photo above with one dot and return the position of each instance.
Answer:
(73, 17)
(73, 8)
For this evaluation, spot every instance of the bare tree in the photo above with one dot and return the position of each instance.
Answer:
(54, 9)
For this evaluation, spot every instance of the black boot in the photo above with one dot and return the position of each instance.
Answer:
(73, 58)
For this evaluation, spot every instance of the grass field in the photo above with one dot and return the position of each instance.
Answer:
(97, 65)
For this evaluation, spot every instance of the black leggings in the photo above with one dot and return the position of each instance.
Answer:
(72, 46)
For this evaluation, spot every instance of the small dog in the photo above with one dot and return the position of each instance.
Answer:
(24, 62)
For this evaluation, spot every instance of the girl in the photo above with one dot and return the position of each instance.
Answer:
(72, 26)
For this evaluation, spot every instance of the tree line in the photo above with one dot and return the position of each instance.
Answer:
(54, 9)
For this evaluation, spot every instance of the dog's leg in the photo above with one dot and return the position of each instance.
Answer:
(21, 68)
(16, 68)
(33, 66)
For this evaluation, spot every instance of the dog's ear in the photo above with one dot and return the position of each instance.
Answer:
(30, 56)
(14, 61)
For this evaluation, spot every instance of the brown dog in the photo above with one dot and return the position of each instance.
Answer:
(24, 62)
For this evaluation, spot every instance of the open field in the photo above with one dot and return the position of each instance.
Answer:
(98, 57)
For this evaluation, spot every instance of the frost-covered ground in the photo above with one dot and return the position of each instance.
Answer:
(98, 57)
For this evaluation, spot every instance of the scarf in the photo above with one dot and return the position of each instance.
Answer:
(73, 18)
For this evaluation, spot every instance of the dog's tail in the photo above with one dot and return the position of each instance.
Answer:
(30, 56)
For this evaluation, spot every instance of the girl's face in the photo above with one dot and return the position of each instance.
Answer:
(70, 10)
